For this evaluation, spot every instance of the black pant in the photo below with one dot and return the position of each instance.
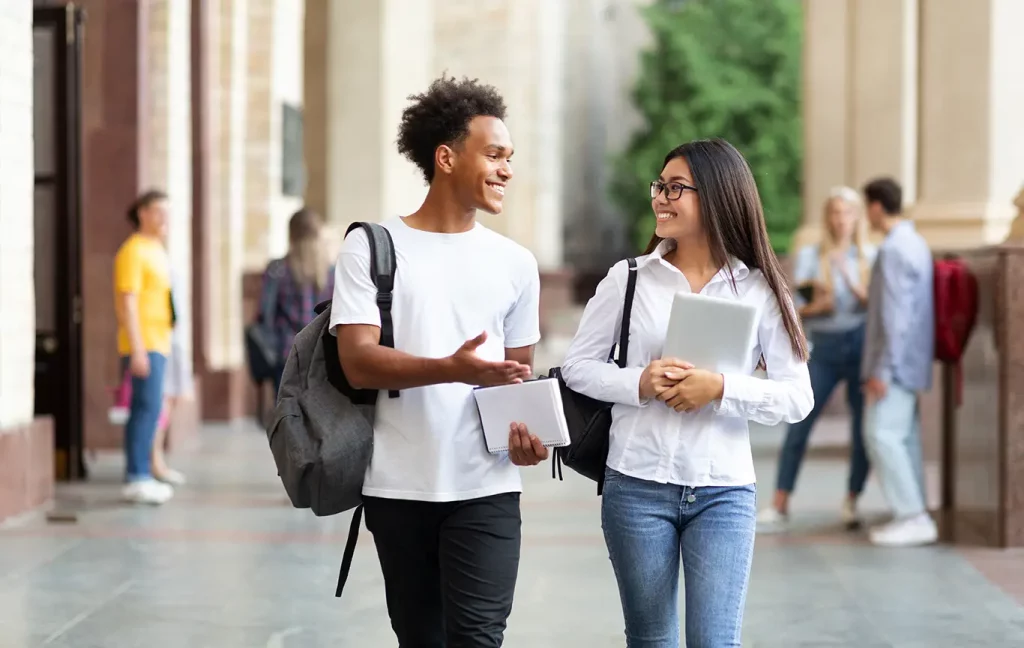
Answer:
(449, 568)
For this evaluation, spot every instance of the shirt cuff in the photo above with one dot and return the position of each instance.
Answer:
(740, 394)
(629, 378)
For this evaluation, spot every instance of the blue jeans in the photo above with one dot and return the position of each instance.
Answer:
(648, 526)
(147, 401)
(893, 433)
(835, 358)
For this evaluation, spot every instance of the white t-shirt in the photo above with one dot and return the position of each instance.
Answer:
(428, 444)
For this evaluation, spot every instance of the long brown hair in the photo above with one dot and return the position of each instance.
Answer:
(307, 252)
(733, 220)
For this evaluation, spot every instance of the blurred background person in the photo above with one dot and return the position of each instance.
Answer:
(295, 284)
(145, 317)
(898, 356)
(832, 284)
(178, 384)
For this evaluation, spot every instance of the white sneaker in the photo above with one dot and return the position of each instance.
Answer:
(147, 491)
(771, 520)
(908, 532)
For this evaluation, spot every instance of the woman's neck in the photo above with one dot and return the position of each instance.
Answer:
(842, 244)
(693, 255)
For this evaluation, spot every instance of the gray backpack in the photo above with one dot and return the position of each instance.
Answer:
(321, 430)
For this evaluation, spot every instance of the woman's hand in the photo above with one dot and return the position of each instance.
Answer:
(821, 303)
(660, 375)
(860, 292)
(695, 389)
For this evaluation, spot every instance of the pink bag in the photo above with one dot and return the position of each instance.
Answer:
(122, 395)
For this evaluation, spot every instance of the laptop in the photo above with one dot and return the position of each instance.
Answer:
(712, 333)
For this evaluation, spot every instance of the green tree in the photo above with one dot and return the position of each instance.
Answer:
(719, 68)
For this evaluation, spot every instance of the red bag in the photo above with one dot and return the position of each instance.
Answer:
(956, 310)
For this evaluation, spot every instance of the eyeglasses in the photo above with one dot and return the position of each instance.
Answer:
(673, 190)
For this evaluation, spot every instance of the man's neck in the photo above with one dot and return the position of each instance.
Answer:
(891, 222)
(441, 213)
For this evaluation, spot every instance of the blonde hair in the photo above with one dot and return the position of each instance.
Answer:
(828, 237)
(308, 257)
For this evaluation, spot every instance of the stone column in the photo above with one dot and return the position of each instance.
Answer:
(860, 99)
(168, 167)
(883, 98)
(224, 381)
(205, 69)
(362, 60)
(274, 79)
(972, 142)
(26, 444)
(826, 108)
(17, 297)
(533, 87)
(114, 134)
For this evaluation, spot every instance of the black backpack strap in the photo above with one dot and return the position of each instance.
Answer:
(350, 549)
(382, 272)
(627, 311)
(623, 348)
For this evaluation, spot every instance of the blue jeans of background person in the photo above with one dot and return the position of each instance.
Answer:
(147, 401)
(835, 358)
(648, 526)
(893, 432)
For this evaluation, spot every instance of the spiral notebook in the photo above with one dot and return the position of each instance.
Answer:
(537, 404)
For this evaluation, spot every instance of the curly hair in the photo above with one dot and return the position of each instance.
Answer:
(441, 115)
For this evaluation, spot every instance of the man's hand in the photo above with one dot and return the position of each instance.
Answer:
(695, 389)
(139, 364)
(525, 449)
(661, 375)
(467, 367)
(875, 389)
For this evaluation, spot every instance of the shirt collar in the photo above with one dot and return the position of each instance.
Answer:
(739, 269)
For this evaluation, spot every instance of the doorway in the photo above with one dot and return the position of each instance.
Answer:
(57, 37)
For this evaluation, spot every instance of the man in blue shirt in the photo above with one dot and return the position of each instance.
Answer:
(897, 364)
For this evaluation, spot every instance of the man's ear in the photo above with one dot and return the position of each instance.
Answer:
(444, 159)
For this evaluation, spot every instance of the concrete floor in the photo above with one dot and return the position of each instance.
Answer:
(229, 563)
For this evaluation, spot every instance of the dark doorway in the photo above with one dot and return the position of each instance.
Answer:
(57, 37)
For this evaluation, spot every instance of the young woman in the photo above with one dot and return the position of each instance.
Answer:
(179, 384)
(835, 273)
(680, 476)
(295, 284)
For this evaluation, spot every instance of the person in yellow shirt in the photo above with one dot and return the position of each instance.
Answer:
(145, 317)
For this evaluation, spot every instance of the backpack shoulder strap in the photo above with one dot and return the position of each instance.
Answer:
(350, 549)
(627, 311)
(382, 272)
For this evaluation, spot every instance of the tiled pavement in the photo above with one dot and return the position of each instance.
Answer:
(228, 563)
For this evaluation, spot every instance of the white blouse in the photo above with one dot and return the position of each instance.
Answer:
(650, 440)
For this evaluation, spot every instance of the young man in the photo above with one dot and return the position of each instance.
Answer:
(444, 513)
(898, 352)
(142, 303)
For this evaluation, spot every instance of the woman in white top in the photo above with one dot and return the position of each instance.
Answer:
(680, 477)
